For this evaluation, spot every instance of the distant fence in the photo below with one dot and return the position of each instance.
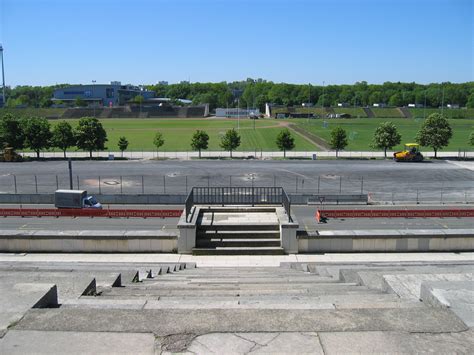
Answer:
(375, 188)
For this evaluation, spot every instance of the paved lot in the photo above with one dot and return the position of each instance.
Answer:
(432, 181)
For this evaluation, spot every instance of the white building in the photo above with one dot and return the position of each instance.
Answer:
(237, 112)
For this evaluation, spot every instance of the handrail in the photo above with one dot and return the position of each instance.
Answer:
(189, 203)
(237, 196)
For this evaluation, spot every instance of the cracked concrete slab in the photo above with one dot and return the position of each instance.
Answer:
(378, 342)
(257, 343)
(175, 321)
(38, 342)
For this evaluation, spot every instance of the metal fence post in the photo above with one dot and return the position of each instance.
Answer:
(57, 183)
(296, 189)
(143, 185)
(121, 185)
(36, 184)
(164, 183)
(100, 190)
(362, 185)
(14, 181)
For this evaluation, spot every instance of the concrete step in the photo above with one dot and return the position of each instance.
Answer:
(236, 290)
(203, 321)
(239, 251)
(239, 227)
(241, 243)
(244, 279)
(245, 234)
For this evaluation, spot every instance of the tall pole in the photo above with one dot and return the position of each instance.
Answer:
(322, 102)
(424, 107)
(309, 98)
(238, 114)
(442, 102)
(93, 87)
(3, 78)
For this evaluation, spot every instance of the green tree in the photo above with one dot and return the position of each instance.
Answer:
(396, 100)
(11, 132)
(386, 136)
(200, 141)
(79, 102)
(122, 144)
(230, 141)
(63, 136)
(158, 141)
(435, 132)
(285, 141)
(90, 135)
(338, 139)
(37, 134)
(470, 101)
(471, 138)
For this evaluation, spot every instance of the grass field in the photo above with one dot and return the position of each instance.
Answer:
(177, 133)
(360, 131)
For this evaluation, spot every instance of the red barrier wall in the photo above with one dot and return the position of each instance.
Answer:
(454, 213)
(53, 212)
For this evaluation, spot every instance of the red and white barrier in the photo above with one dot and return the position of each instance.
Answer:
(403, 213)
(109, 213)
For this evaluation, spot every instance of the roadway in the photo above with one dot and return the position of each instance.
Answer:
(385, 181)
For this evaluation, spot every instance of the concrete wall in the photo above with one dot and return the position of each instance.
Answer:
(387, 241)
(15, 241)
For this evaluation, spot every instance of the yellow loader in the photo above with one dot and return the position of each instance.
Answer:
(410, 153)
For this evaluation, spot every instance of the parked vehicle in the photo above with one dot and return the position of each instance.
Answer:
(75, 199)
(411, 153)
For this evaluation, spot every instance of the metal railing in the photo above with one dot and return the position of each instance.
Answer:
(237, 196)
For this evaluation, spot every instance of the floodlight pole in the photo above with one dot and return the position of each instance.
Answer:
(3, 79)
(238, 114)
(322, 101)
(93, 87)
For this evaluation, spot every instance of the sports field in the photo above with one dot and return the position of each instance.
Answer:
(360, 131)
(177, 133)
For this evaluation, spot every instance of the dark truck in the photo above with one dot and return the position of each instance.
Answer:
(75, 199)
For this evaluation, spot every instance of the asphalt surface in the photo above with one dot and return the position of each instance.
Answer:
(304, 215)
(385, 181)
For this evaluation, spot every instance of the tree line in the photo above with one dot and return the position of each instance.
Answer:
(255, 93)
(35, 133)
(435, 132)
(89, 135)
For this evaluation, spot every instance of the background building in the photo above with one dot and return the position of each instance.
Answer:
(107, 95)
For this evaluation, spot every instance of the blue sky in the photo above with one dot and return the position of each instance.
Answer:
(297, 41)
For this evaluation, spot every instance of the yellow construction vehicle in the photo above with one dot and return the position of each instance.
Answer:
(9, 155)
(410, 153)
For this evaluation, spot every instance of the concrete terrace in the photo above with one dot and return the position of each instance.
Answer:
(292, 304)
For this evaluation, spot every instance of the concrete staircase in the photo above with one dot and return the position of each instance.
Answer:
(228, 232)
(368, 112)
(404, 112)
(248, 288)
